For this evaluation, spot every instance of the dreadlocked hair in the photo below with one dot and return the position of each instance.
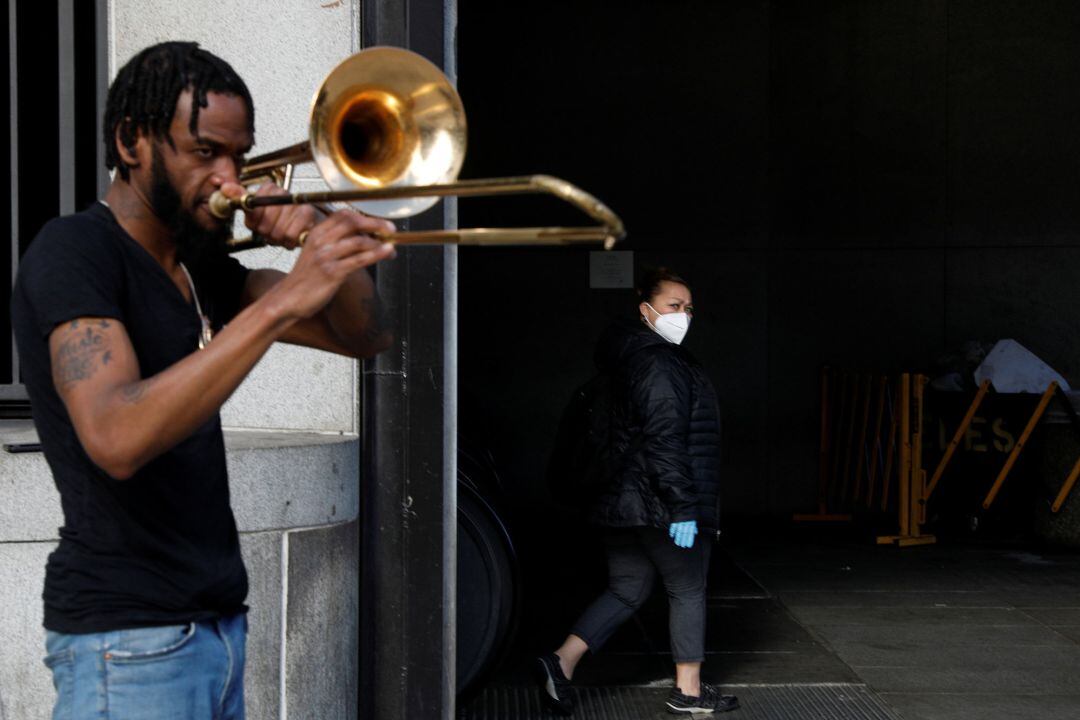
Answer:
(143, 96)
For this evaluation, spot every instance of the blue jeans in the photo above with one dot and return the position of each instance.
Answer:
(176, 672)
(635, 557)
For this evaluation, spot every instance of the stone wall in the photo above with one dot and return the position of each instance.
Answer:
(292, 442)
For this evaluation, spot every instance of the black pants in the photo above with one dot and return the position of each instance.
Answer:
(635, 556)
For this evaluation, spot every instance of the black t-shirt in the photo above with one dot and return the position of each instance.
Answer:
(161, 547)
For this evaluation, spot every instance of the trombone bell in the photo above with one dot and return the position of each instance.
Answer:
(387, 133)
(387, 117)
(371, 139)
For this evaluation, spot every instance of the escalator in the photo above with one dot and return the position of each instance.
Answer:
(488, 581)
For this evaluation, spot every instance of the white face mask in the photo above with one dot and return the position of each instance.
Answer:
(672, 326)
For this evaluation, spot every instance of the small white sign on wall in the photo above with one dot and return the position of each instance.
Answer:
(611, 269)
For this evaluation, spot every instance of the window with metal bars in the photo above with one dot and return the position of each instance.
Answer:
(58, 77)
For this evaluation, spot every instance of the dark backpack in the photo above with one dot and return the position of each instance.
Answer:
(584, 457)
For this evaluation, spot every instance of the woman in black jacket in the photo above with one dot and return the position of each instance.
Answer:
(659, 511)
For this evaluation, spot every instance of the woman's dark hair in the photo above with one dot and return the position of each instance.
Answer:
(649, 282)
(143, 95)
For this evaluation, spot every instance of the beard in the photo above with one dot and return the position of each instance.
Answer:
(194, 242)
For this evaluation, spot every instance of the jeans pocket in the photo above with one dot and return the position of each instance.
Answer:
(148, 644)
(61, 662)
(58, 649)
(56, 659)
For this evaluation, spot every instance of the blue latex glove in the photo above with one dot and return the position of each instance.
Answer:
(683, 533)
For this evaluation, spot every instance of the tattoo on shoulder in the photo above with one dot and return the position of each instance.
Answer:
(82, 350)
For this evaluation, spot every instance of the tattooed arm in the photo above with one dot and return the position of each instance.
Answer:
(123, 420)
(353, 323)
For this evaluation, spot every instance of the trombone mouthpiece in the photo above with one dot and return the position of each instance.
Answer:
(221, 206)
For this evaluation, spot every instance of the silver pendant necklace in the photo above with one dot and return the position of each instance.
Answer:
(206, 334)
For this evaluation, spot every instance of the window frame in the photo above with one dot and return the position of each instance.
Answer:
(82, 82)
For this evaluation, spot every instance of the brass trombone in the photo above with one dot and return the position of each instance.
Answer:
(387, 132)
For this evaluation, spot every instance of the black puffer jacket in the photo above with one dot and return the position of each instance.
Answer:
(667, 430)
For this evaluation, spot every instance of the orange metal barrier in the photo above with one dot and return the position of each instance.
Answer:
(859, 426)
(912, 477)
(870, 436)
(872, 433)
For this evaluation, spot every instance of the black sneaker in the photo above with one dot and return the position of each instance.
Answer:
(710, 700)
(556, 690)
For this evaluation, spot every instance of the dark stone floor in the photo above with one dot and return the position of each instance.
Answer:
(950, 631)
(954, 631)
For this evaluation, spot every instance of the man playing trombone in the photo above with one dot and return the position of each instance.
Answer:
(133, 328)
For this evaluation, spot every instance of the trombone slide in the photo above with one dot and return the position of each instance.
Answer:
(609, 231)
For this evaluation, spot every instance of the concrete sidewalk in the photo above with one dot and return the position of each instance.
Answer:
(814, 622)
(942, 632)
